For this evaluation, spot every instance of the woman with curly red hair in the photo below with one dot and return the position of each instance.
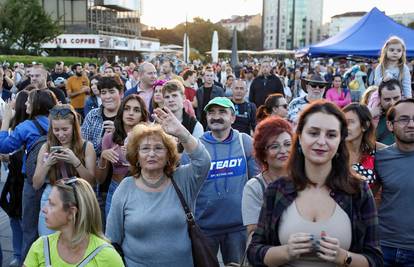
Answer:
(271, 148)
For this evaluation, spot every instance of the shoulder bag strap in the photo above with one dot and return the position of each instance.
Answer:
(46, 251)
(262, 185)
(92, 255)
(189, 215)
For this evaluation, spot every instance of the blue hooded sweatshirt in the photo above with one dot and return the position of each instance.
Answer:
(218, 205)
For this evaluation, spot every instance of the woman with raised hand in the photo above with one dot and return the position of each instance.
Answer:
(146, 217)
(73, 212)
(65, 154)
(321, 214)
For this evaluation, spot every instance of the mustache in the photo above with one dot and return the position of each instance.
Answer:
(217, 121)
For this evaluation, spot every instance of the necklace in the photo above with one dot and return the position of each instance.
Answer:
(155, 185)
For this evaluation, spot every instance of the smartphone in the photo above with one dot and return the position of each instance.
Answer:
(56, 149)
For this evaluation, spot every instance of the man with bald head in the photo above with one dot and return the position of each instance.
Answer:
(38, 77)
(147, 77)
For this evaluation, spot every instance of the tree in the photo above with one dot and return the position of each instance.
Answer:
(25, 26)
(200, 32)
(411, 25)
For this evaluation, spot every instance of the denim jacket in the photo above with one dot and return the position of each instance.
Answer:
(360, 208)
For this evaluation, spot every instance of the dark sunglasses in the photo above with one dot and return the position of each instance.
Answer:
(319, 85)
(285, 106)
(71, 182)
(60, 111)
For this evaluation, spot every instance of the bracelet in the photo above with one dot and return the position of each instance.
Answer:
(80, 163)
(186, 139)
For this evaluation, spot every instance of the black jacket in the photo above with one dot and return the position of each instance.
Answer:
(262, 87)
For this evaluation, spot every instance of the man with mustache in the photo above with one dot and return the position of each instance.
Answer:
(218, 205)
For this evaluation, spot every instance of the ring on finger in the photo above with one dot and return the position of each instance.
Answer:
(334, 253)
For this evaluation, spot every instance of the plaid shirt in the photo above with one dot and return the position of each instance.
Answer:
(359, 207)
(92, 129)
(295, 107)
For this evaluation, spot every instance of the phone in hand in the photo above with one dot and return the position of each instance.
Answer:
(56, 149)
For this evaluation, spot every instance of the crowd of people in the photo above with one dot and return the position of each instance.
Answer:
(281, 165)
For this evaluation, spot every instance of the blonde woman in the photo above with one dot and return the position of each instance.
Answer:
(73, 212)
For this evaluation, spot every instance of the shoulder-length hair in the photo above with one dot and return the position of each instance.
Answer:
(41, 101)
(120, 134)
(271, 126)
(65, 112)
(139, 132)
(340, 177)
(87, 219)
(365, 119)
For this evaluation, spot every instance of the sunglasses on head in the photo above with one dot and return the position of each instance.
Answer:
(319, 85)
(71, 182)
(60, 111)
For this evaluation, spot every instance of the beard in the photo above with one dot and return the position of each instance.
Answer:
(404, 140)
(79, 74)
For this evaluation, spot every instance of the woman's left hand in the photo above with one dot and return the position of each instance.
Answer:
(329, 250)
(169, 122)
(68, 156)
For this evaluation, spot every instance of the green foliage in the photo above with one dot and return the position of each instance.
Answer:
(411, 25)
(48, 62)
(25, 26)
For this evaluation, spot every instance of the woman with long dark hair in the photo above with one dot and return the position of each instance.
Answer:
(321, 214)
(131, 112)
(26, 134)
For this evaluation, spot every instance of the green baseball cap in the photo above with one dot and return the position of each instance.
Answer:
(220, 101)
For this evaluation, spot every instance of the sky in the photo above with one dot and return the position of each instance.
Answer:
(168, 13)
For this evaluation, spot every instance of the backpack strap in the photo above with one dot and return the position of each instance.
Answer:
(46, 251)
(92, 255)
(39, 127)
(244, 153)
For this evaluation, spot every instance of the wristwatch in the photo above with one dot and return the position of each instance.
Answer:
(347, 260)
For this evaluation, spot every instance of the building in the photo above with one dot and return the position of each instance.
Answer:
(241, 22)
(405, 18)
(343, 21)
(291, 24)
(97, 28)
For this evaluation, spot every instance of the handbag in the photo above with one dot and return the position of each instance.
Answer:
(202, 254)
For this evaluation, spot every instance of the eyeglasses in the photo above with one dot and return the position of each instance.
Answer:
(404, 120)
(277, 147)
(157, 149)
(314, 85)
(285, 106)
(71, 182)
(60, 111)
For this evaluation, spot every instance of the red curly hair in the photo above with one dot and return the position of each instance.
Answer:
(271, 126)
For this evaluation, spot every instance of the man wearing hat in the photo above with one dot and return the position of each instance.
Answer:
(218, 205)
(315, 88)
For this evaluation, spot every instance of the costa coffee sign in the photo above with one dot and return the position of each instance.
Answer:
(79, 41)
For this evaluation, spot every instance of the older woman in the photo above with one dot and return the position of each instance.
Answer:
(146, 217)
(73, 212)
(271, 142)
(321, 214)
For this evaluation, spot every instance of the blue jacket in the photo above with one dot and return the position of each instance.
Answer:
(218, 205)
(25, 134)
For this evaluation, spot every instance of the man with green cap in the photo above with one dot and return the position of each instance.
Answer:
(218, 205)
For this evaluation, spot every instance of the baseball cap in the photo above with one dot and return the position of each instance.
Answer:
(220, 101)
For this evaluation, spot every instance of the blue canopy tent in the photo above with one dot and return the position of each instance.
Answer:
(364, 39)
